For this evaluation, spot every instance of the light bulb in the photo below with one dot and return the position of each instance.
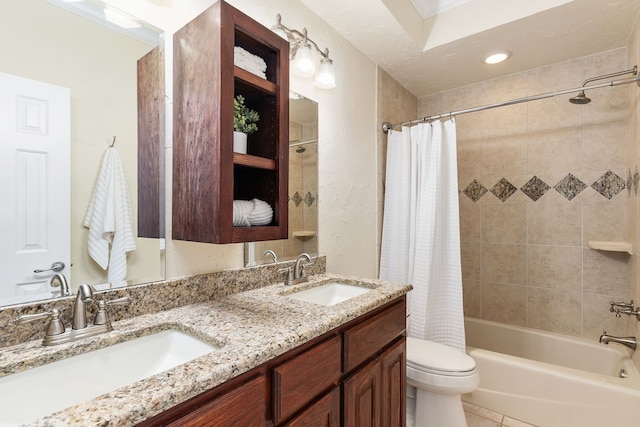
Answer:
(304, 65)
(326, 77)
(497, 57)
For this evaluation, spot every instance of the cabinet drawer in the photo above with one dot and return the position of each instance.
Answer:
(366, 339)
(243, 406)
(299, 380)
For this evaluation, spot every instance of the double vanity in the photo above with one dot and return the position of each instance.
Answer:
(268, 355)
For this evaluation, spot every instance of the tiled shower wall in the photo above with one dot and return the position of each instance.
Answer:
(303, 197)
(395, 104)
(633, 203)
(537, 182)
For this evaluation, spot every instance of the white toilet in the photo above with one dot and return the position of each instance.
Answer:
(437, 375)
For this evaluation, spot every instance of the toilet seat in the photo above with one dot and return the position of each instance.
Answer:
(436, 358)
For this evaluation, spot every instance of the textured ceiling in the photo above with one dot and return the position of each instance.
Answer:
(427, 8)
(446, 50)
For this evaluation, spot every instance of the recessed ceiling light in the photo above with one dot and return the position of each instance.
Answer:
(497, 56)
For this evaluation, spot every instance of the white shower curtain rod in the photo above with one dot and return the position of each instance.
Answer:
(386, 126)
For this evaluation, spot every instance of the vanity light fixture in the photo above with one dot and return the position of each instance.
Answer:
(301, 52)
(497, 56)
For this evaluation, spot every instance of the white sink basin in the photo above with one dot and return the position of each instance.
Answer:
(29, 395)
(329, 293)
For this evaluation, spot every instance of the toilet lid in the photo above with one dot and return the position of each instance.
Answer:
(432, 356)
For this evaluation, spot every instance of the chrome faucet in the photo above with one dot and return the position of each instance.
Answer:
(630, 342)
(272, 254)
(85, 295)
(299, 274)
(58, 280)
(55, 331)
(298, 268)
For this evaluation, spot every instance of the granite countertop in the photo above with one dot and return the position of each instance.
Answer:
(251, 327)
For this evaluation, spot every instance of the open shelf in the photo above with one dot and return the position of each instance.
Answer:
(253, 161)
(611, 246)
(207, 175)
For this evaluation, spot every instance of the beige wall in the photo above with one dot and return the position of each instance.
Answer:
(98, 65)
(633, 202)
(347, 152)
(527, 262)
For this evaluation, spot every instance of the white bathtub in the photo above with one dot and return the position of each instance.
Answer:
(552, 380)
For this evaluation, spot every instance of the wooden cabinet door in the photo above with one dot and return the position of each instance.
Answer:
(243, 406)
(303, 378)
(364, 340)
(393, 393)
(324, 413)
(362, 402)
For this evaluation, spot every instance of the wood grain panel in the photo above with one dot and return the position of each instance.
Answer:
(244, 406)
(362, 397)
(393, 391)
(367, 338)
(300, 380)
(151, 143)
(324, 413)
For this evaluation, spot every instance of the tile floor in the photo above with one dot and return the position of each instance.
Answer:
(481, 417)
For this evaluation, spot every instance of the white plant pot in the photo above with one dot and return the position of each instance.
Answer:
(240, 142)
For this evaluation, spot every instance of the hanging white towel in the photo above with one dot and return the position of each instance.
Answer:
(110, 220)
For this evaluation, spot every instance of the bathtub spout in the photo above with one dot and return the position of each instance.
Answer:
(630, 342)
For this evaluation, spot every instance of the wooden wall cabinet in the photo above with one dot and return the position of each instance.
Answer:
(207, 174)
(351, 376)
(151, 144)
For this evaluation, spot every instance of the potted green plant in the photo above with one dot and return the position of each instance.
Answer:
(244, 124)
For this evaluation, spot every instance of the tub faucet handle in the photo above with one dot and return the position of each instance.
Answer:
(628, 308)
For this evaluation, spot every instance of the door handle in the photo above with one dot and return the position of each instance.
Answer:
(56, 266)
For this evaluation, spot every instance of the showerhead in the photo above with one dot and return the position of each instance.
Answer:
(580, 99)
(300, 150)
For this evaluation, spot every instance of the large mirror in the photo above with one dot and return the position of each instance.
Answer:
(89, 61)
(303, 188)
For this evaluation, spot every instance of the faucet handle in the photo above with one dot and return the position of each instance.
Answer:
(289, 272)
(303, 272)
(101, 317)
(55, 326)
(125, 300)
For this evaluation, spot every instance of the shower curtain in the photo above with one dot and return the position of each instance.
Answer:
(421, 229)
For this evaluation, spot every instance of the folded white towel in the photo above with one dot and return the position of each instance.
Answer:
(250, 62)
(110, 220)
(251, 212)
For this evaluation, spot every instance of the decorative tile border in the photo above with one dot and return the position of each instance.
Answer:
(308, 199)
(475, 190)
(570, 186)
(535, 188)
(608, 186)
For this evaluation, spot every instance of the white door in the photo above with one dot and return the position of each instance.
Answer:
(35, 175)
